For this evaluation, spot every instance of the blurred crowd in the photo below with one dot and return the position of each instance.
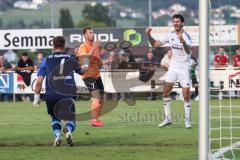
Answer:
(223, 59)
(117, 59)
(24, 67)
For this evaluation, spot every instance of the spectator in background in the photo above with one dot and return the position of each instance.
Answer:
(166, 59)
(165, 62)
(148, 68)
(236, 58)
(123, 61)
(38, 61)
(76, 49)
(150, 62)
(221, 58)
(194, 65)
(131, 61)
(236, 63)
(5, 66)
(127, 60)
(124, 64)
(113, 60)
(10, 56)
(25, 69)
(69, 51)
(211, 58)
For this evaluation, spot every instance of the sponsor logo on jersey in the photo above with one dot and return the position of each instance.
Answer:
(177, 47)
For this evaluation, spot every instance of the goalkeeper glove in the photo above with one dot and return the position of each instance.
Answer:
(37, 100)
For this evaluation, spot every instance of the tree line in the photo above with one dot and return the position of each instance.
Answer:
(95, 16)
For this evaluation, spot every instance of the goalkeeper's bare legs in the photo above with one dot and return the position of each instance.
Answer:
(167, 88)
(187, 106)
(96, 107)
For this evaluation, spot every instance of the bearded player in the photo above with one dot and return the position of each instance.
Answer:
(89, 56)
(179, 68)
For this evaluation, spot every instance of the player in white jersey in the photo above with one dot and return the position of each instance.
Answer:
(179, 68)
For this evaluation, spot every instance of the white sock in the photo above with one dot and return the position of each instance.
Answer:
(187, 108)
(167, 108)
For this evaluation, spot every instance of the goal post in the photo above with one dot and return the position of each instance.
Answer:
(204, 80)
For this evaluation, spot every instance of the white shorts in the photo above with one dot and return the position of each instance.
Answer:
(182, 75)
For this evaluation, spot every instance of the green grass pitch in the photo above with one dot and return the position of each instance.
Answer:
(130, 132)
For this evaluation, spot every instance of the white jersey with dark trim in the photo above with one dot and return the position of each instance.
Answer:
(179, 56)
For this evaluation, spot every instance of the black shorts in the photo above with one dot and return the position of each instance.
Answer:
(194, 81)
(94, 84)
(62, 109)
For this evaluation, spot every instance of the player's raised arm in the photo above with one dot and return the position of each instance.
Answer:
(186, 47)
(154, 43)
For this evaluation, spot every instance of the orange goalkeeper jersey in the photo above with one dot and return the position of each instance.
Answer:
(93, 70)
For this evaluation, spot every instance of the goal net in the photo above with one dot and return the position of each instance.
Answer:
(224, 110)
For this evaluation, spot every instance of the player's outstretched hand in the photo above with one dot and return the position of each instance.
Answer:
(148, 30)
(37, 100)
(97, 44)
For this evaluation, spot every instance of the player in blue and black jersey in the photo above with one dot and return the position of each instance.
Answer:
(57, 69)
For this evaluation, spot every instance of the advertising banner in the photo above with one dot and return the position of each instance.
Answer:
(42, 38)
(226, 79)
(118, 81)
(6, 83)
(218, 35)
(134, 35)
(28, 38)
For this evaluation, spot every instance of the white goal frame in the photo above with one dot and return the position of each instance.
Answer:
(204, 79)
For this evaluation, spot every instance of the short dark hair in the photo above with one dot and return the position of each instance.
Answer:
(24, 54)
(222, 48)
(178, 16)
(85, 29)
(59, 42)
